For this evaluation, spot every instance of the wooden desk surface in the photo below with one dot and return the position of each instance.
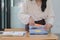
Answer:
(28, 37)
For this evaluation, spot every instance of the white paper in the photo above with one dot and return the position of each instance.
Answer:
(14, 33)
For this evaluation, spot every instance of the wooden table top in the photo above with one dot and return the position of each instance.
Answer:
(27, 36)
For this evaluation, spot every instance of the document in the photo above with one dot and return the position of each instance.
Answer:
(14, 33)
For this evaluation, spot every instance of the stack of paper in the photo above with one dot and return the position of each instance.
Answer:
(34, 30)
(14, 33)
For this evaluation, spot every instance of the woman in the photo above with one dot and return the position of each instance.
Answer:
(37, 12)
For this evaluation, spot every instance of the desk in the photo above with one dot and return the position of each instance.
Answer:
(27, 37)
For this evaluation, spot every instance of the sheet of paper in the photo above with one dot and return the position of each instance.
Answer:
(14, 33)
(19, 33)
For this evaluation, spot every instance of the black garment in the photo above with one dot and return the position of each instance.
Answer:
(42, 22)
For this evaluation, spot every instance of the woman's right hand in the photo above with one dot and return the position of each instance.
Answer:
(31, 21)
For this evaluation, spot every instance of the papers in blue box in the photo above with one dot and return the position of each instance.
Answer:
(33, 30)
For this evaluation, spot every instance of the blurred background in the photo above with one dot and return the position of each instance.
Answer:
(11, 8)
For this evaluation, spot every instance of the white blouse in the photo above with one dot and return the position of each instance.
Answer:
(30, 8)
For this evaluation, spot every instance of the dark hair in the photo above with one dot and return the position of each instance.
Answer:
(43, 5)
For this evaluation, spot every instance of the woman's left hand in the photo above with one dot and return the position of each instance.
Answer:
(48, 26)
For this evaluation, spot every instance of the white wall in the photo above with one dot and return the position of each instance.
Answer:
(15, 23)
(15, 10)
(56, 5)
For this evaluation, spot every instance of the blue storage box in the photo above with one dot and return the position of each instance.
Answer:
(33, 30)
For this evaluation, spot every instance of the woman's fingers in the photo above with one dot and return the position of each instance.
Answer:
(31, 21)
(48, 26)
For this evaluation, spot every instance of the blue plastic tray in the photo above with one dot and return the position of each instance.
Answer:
(37, 30)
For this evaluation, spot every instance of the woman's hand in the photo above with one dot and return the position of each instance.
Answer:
(31, 21)
(48, 26)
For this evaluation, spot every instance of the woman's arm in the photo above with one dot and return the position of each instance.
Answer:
(50, 15)
(24, 16)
